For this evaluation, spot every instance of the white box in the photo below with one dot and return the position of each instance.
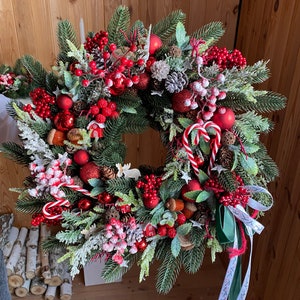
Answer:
(92, 272)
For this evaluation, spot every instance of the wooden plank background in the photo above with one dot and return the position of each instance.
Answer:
(266, 29)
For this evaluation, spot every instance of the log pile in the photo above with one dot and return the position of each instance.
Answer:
(30, 269)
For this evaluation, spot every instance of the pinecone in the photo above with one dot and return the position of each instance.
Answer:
(192, 114)
(175, 51)
(202, 214)
(112, 213)
(125, 218)
(107, 173)
(78, 107)
(226, 157)
(77, 181)
(228, 138)
(176, 82)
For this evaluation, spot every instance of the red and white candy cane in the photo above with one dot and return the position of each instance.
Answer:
(62, 202)
(58, 203)
(216, 144)
(185, 142)
(202, 132)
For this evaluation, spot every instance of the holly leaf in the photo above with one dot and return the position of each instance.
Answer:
(129, 110)
(204, 146)
(175, 246)
(248, 164)
(203, 196)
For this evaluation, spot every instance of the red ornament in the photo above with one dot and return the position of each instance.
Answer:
(155, 43)
(141, 245)
(162, 230)
(84, 204)
(64, 120)
(143, 81)
(224, 118)
(81, 157)
(64, 101)
(181, 101)
(192, 185)
(149, 230)
(88, 171)
(105, 198)
(151, 202)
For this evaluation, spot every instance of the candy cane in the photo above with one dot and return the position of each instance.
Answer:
(216, 143)
(47, 206)
(201, 132)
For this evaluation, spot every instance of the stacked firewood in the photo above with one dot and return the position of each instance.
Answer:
(32, 270)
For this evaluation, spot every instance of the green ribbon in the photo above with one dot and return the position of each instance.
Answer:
(225, 225)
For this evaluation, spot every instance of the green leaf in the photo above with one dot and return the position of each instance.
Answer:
(248, 164)
(96, 191)
(202, 176)
(94, 182)
(203, 195)
(157, 213)
(129, 110)
(181, 37)
(192, 194)
(204, 146)
(175, 246)
(146, 259)
(184, 229)
(185, 122)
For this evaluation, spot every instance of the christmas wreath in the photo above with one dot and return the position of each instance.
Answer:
(201, 99)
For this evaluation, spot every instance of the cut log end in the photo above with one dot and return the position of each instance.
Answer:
(15, 280)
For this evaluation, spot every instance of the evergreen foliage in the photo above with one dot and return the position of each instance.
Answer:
(15, 152)
(65, 32)
(36, 70)
(118, 25)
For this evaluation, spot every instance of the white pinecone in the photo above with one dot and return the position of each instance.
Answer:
(176, 82)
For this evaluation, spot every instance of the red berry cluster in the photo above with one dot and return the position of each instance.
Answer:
(239, 196)
(104, 109)
(42, 101)
(223, 58)
(165, 230)
(38, 218)
(150, 186)
(212, 184)
(98, 41)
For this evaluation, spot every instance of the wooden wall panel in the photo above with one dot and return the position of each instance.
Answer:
(270, 30)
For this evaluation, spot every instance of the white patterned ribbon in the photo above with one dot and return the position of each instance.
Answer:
(251, 227)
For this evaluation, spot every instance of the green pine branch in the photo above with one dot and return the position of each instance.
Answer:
(166, 27)
(120, 184)
(192, 259)
(118, 25)
(52, 244)
(168, 273)
(268, 102)
(30, 205)
(65, 32)
(15, 152)
(210, 33)
(113, 271)
(227, 180)
(36, 70)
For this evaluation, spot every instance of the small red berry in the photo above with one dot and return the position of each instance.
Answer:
(100, 118)
(85, 82)
(78, 72)
(181, 218)
(94, 110)
(171, 232)
(162, 230)
(102, 103)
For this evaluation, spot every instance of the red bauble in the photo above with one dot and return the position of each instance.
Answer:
(181, 101)
(192, 185)
(81, 157)
(155, 43)
(149, 230)
(88, 171)
(143, 81)
(224, 118)
(64, 120)
(64, 101)
(84, 204)
(141, 245)
(105, 198)
(151, 202)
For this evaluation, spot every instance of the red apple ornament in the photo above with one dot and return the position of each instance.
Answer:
(224, 118)
(192, 185)
(84, 204)
(155, 43)
(64, 120)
